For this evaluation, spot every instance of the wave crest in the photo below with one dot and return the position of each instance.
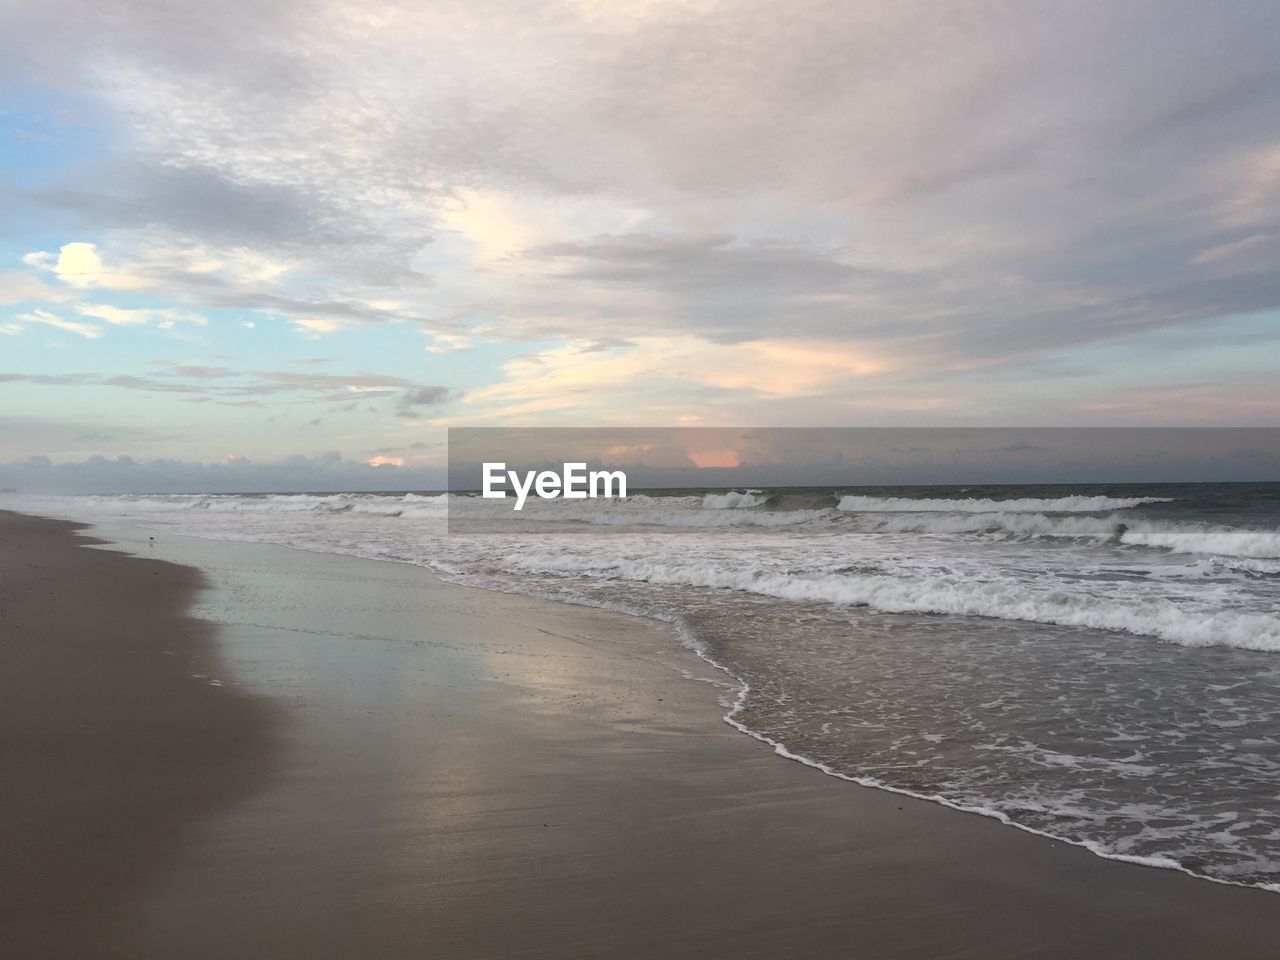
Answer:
(1080, 504)
(734, 500)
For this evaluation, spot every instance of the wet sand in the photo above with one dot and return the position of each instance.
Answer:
(461, 774)
(111, 750)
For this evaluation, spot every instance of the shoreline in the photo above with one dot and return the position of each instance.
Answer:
(457, 761)
(781, 750)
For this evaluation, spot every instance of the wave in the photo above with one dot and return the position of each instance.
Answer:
(1170, 535)
(986, 808)
(1260, 569)
(409, 504)
(1079, 504)
(1065, 517)
(734, 500)
(637, 510)
(1255, 544)
(732, 509)
(954, 594)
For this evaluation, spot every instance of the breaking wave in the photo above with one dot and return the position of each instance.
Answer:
(1049, 600)
(734, 500)
(1172, 535)
(974, 505)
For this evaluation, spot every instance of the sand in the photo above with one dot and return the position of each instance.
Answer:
(396, 767)
(110, 747)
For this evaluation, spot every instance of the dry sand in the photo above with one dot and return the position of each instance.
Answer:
(460, 774)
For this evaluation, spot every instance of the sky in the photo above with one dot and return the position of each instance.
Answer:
(272, 240)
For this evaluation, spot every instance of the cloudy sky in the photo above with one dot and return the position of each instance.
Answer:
(249, 231)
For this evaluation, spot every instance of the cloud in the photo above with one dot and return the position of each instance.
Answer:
(315, 326)
(669, 375)
(139, 317)
(221, 384)
(697, 263)
(361, 382)
(1255, 178)
(446, 343)
(47, 379)
(78, 264)
(607, 343)
(981, 187)
(145, 384)
(87, 330)
(409, 402)
(136, 194)
(197, 372)
(1258, 252)
(24, 288)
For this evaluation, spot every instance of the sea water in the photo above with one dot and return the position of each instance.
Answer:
(1099, 664)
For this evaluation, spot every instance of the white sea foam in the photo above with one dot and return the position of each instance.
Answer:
(1078, 504)
(1065, 517)
(1047, 601)
(1255, 544)
(1172, 535)
(734, 499)
(284, 503)
(1042, 587)
(732, 509)
(1109, 851)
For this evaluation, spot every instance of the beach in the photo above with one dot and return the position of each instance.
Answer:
(218, 749)
(113, 747)
(577, 480)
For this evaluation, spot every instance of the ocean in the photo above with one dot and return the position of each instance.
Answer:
(1095, 663)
